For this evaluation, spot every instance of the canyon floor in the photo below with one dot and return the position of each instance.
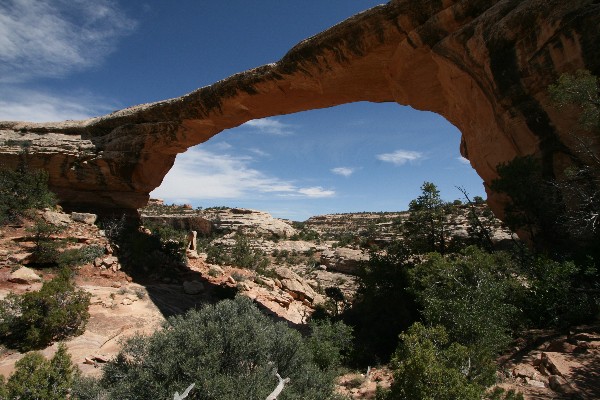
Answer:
(122, 306)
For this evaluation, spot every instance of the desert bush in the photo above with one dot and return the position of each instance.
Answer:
(46, 250)
(114, 227)
(560, 293)
(241, 255)
(244, 256)
(473, 296)
(172, 241)
(217, 255)
(500, 394)
(35, 377)
(229, 350)
(87, 388)
(428, 366)
(140, 253)
(36, 319)
(79, 256)
(22, 190)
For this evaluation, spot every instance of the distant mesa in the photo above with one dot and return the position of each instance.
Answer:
(484, 65)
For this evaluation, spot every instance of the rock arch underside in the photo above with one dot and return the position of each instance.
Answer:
(484, 65)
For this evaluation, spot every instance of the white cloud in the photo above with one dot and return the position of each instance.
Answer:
(401, 157)
(316, 192)
(344, 171)
(259, 152)
(270, 126)
(222, 146)
(463, 160)
(48, 38)
(32, 106)
(201, 175)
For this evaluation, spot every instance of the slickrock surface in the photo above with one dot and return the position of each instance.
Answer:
(484, 65)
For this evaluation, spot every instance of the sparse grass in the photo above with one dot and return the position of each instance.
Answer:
(139, 292)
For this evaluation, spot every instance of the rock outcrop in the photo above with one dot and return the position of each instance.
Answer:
(484, 65)
(251, 222)
(343, 259)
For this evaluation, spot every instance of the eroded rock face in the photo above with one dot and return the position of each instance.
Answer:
(484, 65)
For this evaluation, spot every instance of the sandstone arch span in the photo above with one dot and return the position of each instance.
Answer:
(482, 64)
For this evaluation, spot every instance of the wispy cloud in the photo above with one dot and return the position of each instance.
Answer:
(200, 174)
(259, 152)
(401, 157)
(222, 146)
(25, 105)
(48, 38)
(270, 126)
(463, 160)
(344, 171)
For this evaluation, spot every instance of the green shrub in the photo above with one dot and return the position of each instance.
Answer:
(87, 388)
(561, 293)
(244, 256)
(240, 255)
(80, 256)
(141, 253)
(329, 343)
(427, 366)
(46, 250)
(500, 394)
(172, 241)
(228, 350)
(38, 378)
(217, 255)
(22, 190)
(472, 295)
(425, 229)
(36, 319)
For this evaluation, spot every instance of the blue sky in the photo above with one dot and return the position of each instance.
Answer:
(72, 59)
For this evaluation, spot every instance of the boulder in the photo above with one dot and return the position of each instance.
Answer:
(344, 260)
(56, 218)
(24, 275)
(297, 287)
(192, 254)
(525, 371)
(561, 385)
(86, 218)
(20, 258)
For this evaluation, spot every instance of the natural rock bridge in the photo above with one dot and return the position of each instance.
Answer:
(484, 65)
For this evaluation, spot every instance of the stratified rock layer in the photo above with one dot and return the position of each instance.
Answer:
(484, 65)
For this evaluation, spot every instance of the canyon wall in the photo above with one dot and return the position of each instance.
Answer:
(484, 65)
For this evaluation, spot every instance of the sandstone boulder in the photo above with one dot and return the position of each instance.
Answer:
(344, 260)
(56, 218)
(86, 218)
(297, 287)
(24, 275)
(20, 258)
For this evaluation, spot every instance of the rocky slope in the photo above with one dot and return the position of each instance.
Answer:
(547, 365)
(484, 65)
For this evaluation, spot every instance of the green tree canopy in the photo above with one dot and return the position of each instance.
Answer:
(425, 228)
